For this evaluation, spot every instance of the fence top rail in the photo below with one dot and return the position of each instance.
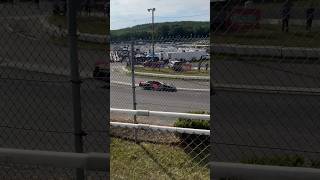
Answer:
(263, 172)
(162, 128)
(161, 113)
(88, 161)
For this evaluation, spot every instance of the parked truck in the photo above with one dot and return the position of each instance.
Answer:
(187, 56)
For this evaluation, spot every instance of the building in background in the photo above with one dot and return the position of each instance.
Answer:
(233, 15)
(86, 7)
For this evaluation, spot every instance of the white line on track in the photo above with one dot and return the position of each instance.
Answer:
(181, 89)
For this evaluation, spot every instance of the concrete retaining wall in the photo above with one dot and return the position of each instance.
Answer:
(298, 22)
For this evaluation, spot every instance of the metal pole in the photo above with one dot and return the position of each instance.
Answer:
(133, 87)
(153, 34)
(76, 83)
(152, 11)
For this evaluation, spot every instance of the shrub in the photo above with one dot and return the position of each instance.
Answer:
(284, 160)
(315, 164)
(193, 123)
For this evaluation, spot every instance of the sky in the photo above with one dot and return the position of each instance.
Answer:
(127, 13)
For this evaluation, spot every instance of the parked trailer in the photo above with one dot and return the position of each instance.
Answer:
(188, 56)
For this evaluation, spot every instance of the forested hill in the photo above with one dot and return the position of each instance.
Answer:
(163, 30)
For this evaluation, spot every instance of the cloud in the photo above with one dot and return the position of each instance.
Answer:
(125, 13)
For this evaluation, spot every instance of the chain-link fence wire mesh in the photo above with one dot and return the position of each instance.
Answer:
(38, 172)
(36, 91)
(158, 153)
(176, 79)
(264, 82)
(173, 77)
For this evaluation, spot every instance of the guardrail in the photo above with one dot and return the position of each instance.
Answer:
(268, 51)
(296, 22)
(161, 128)
(87, 161)
(161, 113)
(262, 172)
(266, 89)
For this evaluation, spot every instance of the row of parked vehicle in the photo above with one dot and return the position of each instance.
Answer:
(101, 72)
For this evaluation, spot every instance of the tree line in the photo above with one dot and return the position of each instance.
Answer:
(163, 30)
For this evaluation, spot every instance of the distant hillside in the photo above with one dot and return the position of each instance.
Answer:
(166, 29)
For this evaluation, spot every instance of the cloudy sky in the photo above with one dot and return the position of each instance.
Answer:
(127, 13)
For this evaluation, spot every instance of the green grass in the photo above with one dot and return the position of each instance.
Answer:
(172, 72)
(61, 41)
(272, 35)
(146, 161)
(284, 160)
(92, 25)
(288, 160)
(246, 58)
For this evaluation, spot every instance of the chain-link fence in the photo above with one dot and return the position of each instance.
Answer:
(175, 79)
(44, 104)
(265, 82)
(22, 171)
(170, 74)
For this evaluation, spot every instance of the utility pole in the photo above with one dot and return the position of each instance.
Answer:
(152, 10)
(76, 82)
(133, 87)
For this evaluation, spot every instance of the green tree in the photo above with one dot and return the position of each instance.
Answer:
(163, 31)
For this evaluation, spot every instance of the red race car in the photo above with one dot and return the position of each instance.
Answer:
(157, 86)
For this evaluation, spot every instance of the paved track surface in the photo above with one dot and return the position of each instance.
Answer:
(246, 124)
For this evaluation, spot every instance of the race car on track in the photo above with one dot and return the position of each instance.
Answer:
(157, 86)
(101, 71)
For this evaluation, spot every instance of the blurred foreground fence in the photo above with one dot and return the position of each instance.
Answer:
(49, 99)
(265, 83)
(88, 161)
(144, 151)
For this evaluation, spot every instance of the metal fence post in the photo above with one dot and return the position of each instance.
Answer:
(133, 87)
(76, 82)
